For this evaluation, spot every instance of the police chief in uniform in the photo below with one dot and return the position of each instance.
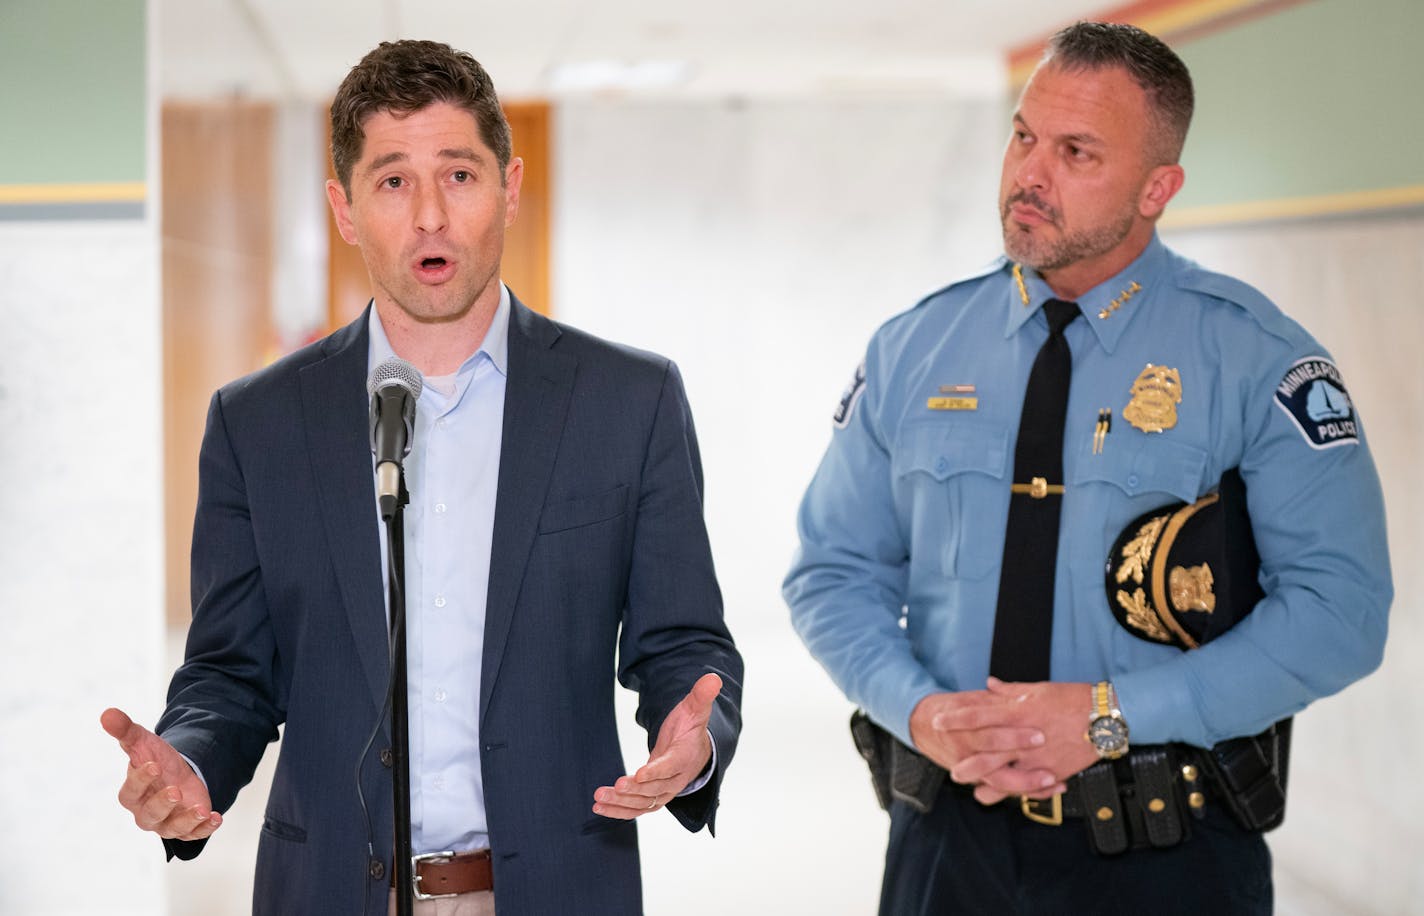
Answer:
(1004, 443)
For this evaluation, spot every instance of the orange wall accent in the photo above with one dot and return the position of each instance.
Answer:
(1173, 21)
(217, 265)
(526, 247)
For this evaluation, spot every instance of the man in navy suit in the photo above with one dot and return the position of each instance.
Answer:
(555, 526)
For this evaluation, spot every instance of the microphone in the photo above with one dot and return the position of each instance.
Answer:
(394, 386)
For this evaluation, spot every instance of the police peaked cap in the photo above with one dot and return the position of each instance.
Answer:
(1184, 574)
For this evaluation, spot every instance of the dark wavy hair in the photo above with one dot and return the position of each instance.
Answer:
(402, 77)
(1151, 64)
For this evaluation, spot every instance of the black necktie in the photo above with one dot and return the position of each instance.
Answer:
(1023, 623)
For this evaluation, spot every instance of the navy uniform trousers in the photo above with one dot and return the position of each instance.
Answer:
(968, 858)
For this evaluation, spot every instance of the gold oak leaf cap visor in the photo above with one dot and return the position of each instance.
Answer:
(1184, 574)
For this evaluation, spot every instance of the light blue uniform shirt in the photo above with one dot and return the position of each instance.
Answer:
(905, 517)
(452, 473)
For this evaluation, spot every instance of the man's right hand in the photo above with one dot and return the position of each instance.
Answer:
(933, 729)
(161, 790)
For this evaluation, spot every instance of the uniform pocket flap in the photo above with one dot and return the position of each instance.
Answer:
(1148, 466)
(942, 450)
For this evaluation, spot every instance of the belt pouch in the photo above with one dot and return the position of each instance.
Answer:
(1102, 809)
(1156, 796)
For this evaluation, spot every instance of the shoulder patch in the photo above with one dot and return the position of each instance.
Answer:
(1313, 395)
(841, 418)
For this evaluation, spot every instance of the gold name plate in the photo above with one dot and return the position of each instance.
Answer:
(954, 404)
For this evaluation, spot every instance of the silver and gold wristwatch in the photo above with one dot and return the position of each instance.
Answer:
(1107, 729)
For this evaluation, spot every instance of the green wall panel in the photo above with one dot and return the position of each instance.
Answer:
(72, 91)
(1315, 99)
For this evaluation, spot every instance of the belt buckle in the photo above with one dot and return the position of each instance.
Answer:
(439, 858)
(1031, 808)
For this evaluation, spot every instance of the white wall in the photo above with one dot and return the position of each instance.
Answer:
(81, 554)
(81, 549)
(759, 245)
(1352, 834)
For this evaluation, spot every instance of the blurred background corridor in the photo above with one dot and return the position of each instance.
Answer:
(749, 188)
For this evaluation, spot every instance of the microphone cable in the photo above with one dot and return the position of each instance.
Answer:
(398, 620)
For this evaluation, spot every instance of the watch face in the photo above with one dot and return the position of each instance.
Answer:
(1108, 734)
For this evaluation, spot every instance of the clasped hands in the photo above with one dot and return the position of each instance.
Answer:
(1009, 739)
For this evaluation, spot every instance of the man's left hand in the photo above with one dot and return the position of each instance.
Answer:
(678, 757)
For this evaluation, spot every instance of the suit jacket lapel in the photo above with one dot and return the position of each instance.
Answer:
(536, 399)
(335, 412)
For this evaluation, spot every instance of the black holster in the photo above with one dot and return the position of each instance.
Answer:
(896, 771)
(1249, 775)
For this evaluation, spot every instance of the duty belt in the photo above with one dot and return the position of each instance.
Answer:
(1145, 799)
(1134, 802)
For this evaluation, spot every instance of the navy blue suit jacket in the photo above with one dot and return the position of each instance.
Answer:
(600, 551)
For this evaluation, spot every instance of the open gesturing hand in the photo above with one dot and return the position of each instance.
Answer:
(678, 757)
(160, 790)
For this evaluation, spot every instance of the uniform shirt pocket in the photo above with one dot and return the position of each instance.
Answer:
(1148, 466)
(949, 486)
(1133, 475)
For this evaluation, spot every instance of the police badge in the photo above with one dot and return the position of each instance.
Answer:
(1155, 396)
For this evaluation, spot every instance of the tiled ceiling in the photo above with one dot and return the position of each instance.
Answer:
(299, 49)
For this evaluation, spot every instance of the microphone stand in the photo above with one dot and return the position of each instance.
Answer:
(400, 705)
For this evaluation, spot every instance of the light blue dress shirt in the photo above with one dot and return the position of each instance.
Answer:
(895, 585)
(452, 474)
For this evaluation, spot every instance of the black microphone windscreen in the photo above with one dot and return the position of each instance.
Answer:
(395, 371)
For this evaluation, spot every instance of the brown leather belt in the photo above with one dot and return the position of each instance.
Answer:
(444, 874)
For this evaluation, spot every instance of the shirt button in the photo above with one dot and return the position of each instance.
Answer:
(377, 869)
(442, 423)
(438, 782)
(1132, 480)
(439, 508)
(941, 465)
(387, 758)
(439, 600)
(440, 696)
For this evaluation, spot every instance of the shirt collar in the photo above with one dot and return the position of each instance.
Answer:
(1108, 307)
(495, 346)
